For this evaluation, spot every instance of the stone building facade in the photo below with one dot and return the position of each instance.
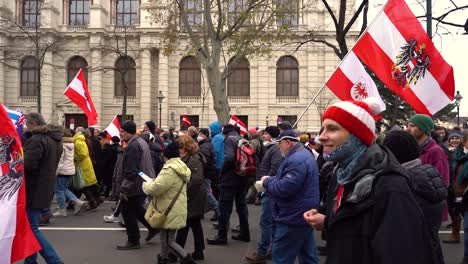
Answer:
(86, 27)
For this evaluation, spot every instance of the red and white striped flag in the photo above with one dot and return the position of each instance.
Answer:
(237, 122)
(350, 81)
(113, 129)
(398, 50)
(17, 241)
(77, 92)
(186, 120)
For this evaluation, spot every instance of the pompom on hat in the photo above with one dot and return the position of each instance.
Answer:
(358, 117)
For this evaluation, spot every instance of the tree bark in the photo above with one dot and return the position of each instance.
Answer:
(218, 90)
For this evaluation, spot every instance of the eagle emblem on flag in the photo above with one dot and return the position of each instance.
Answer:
(11, 167)
(411, 64)
(359, 91)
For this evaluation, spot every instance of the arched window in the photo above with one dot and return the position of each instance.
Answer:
(125, 76)
(78, 12)
(126, 12)
(287, 77)
(74, 65)
(31, 13)
(189, 77)
(29, 76)
(239, 80)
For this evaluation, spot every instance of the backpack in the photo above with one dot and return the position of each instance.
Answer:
(245, 159)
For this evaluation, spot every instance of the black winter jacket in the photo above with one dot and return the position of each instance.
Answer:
(196, 195)
(379, 220)
(229, 179)
(109, 155)
(271, 161)
(206, 148)
(156, 157)
(42, 153)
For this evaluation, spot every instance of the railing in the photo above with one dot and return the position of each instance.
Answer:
(239, 99)
(75, 28)
(287, 99)
(28, 99)
(119, 99)
(189, 99)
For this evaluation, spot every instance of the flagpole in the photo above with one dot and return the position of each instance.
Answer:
(339, 64)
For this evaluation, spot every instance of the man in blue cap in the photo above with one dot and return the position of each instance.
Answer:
(293, 190)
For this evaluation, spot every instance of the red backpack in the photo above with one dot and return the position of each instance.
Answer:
(245, 159)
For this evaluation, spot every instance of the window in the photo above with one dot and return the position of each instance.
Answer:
(194, 11)
(129, 117)
(287, 77)
(288, 13)
(32, 13)
(74, 65)
(239, 80)
(189, 77)
(79, 12)
(290, 118)
(125, 74)
(29, 77)
(194, 119)
(126, 12)
(244, 119)
(236, 8)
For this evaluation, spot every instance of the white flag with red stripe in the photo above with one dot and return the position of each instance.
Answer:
(350, 81)
(398, 50)
(186, 120)
(237, 122)
(113, 129)
(77, 92)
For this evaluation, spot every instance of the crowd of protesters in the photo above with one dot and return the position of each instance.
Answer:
(374, 199)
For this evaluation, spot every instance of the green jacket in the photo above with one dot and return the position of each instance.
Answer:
(84, 161)
(164, 189)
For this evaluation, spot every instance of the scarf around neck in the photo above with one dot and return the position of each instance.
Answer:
(347, 155)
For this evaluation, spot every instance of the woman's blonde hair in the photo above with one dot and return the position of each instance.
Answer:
(187, 143)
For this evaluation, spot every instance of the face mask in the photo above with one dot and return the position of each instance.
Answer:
(199, 139)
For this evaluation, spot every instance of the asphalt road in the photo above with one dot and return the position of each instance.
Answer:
(86, 239)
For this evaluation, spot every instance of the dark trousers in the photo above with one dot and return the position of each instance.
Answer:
(197, 230)
(132, 212)
(226, 200)
(92, 194)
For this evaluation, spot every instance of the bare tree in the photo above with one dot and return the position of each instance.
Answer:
(224, 28)
(27, 39)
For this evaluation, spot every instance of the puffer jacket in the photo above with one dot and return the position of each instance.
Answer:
(217, 140)
(196, 194)
(378, 219)
(430, 191)
(271, 161)
(84, 160)
(229, 179)
(137, 158)
(294, 190)
(42, 153)
(206, 148)
(164, 189)
(66, 166)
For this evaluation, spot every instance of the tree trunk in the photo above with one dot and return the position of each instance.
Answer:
(218, 90)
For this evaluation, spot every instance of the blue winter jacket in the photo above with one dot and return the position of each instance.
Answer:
(295, 188)
(217, 140)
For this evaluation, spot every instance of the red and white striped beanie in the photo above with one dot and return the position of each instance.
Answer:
(358, 117)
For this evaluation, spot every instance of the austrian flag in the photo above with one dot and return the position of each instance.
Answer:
(237, 122)
(398, 50)
(77, 92)
(113, 129)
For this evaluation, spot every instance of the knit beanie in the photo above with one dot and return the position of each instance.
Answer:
(129, 127)
(115, 139)
(285, 125)
(273, 131)
(356, 116)
(228, 129)
(455, 133)
(403, 145)
(205, 132)
(423, 122)
(172, 150)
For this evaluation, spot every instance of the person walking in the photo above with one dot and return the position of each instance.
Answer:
(217, 140)
(136, 159)
(66, 170)
(170, 187)
(371, 214)
(42, 152)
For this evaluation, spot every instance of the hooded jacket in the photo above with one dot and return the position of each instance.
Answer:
(294, 190)
(196, 194)
(229, 178)
(42, 153)
(271, 161)
(164, 189)
(217, 140)
(84, 160)
(206, 148)
(378, 220)
(459, 170)
(66, 166)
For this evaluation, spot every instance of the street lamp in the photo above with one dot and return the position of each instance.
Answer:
(458, 98)
(160, 99)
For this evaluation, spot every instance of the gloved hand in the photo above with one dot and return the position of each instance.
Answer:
(259, 186)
